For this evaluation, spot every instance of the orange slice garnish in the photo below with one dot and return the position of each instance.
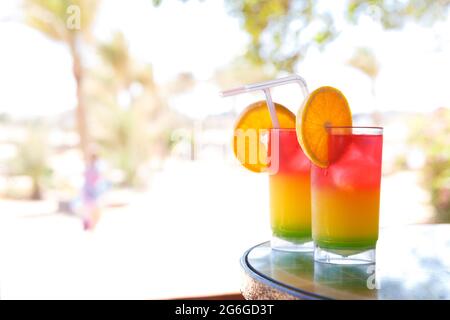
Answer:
(249, 130)
(326, 106)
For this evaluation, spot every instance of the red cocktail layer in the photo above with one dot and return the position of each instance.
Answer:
(355, 163)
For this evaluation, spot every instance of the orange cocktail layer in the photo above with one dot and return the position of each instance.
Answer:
(345, 218)
(290, 206)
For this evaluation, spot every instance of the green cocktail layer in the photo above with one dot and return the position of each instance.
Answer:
(299, 236)
(358, 245)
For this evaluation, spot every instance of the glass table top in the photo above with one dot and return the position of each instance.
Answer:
(413, 262)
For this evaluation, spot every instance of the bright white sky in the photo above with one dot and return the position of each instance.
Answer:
(199, 37)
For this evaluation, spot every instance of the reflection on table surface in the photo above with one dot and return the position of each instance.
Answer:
(413, 262)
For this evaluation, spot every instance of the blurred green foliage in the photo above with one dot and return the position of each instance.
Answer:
(240, 71)
(51, 16)
(394, 14)
(282, 31)
(432, 135)
(32, 159)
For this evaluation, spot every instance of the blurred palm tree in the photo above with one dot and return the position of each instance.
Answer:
(124, 141)
(55, 18)
(133, 120)
(365, 61)
(116, 55)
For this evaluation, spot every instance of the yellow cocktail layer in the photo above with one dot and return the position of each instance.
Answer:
(345, 218)
(290, 206)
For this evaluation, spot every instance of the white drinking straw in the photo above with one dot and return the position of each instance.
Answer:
(273, 114)
(265, 86)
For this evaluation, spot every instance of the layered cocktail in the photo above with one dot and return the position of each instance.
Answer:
(265, 140)
(290, 196)
(346, 196)
(345, 178)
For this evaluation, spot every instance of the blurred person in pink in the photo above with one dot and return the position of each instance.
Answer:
(93, 188)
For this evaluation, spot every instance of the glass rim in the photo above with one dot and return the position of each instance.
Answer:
(282, 129)
(356, 127)
(369, 130)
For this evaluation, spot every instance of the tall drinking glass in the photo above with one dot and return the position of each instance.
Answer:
(289, 186)
(345, 196)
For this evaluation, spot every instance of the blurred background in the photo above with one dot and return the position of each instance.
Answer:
(117, 178)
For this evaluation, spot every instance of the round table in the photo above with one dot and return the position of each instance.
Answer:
(412, 262)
